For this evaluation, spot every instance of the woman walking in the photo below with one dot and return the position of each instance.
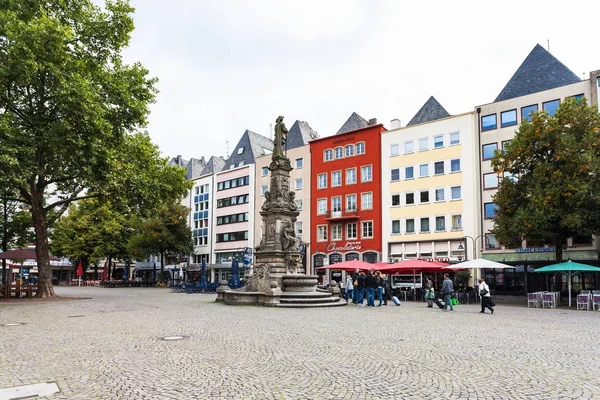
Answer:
(484, 292)
(349, 288)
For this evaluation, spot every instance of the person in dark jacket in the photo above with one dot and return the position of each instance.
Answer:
(379, 287)
(360, 288)
(447, 289)
(354, 279)
(387, 290)
(370, 284)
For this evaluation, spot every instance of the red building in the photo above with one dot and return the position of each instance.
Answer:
(346, 195)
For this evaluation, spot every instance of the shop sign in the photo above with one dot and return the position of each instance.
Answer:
(349, 246)
(536, 250)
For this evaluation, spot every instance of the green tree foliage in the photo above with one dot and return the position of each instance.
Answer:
(69, 112)
(166, 232)
(555, 190)
(15, 227)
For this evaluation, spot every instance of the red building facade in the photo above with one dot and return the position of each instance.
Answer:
(346, 198)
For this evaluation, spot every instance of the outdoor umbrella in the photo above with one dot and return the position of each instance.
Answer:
(80, 271)
(570, 269)
(203, 273)
(349, 266)
(105, 272)
(479, 263)
(235, 273)
(413, 266)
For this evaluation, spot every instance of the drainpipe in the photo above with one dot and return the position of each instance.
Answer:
(479, 178)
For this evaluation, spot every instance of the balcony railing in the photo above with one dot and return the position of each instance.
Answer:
(341, 214)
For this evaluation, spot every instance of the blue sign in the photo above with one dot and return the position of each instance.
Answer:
(302, 248)
(247, 256)
(25, 271)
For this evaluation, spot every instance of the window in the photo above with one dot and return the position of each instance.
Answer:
(438, 141)
(455, 193)
(367, 201)
(425, 225)
(457, 222)
(298, 228)
(350, 176)
(410, 226)
(336, 232)
(299, 183)
(395, 200)
(360, 148)
(197, 188)
(490, 181)
(455, 165)
(579, 97)
(328, 155)
(527, 111)
(439, 194)
(491, 242)
(505, 143)
(336, 178)
(299, 163)
(395, 174)
(349, 150)
(339, 152)
(438, 167)
(423, 144)
(265, 171)
(366, 173)
(232, 236)
(454, 138)
(408, 147)
(396, 227)
(240, 150)
(488, 122)
(424, 196)
(263, 189)
(321, 206)
(299, 204)
(551, 106)
(351, 232)
(489, 210)
(508, 118)
(322, 233)
(394, 150)
(489, 150)
(367, 229)
(240, 163)
(409, 173)
(409, 198)
(423, 170)
(440, 224)
(336, 204)
(321, 181)
(351, 202)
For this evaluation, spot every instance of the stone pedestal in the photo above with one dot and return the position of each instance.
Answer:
(220, 291)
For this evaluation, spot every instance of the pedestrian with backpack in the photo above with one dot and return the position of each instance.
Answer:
(447, 289)
(486, 298)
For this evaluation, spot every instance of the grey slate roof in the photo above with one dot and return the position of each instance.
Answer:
(430, 111)
(253, 144)
(195, 167)
(299, 135)
(540, 71)
(179, 161)
(353, 123)
(215, 164)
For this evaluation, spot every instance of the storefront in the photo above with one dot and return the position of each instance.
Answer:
(338, 256)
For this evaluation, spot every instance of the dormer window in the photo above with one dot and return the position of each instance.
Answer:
(241, 150)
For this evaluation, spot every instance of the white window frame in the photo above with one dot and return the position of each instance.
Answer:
(451, 194)
(327, 155)
(263, 189)
(420, 172)
(348, 225)
(337, 232)
(322, 185)
(299, 203)
(370, 174)
(459, 165)
(265, 171)
(399, 227)
(362, 200)
(455, 134)
(358, 146)
(322, 233)
(394, 150)
(392, 175)
(355, 176)
(436, 227)
(428, 223)
(298, 231)
(443, 195)
(421, 141)
(362, 230)
(341, 152)
(348, 207)
(333, 181)
(299, 183)
(435, 142)
(349, 150)
(322, 211)
(334, 199)
(414, 226)
(301, 162)
(407, 144)
(453, 227)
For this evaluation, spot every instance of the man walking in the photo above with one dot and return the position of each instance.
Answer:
(484, 292)
(447, 289)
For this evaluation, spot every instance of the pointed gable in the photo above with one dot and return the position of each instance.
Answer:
(431, 111)
(215, 164)
(250, 146)
(353, 123)
(299, 135)
(195, 167)
(540, 71)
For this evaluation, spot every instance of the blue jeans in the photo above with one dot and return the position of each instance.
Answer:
(349, 293)
(371, 297)
(448, 302)
(359, 295)
(380, 294)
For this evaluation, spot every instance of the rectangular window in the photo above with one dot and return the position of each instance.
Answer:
(396, 227)
(438, 141)
(489, 150)
(321, 181)
(423, 144)
(299, 183)
(395, 200)
(488, 122)
(336, 230)
(328, 155)
(367, 229)
(424, 196)
(321, 206)
(299, 204)
(455, 165)
(409, 198)
(265, 171)
(454, 138)
(508, 118)
(527, 111)
(457, 222)
(366, 173)
(438, 167)
(489, 210)
(395, 173)
(360, 148)
(366, 201)
(263, 189)
(410, 226)
(351, 202)
(455, 193)
(490, 181)
(505, 143)
(491, 242)
(440, 224)
(298, 228)
(336, 178)
(440, 194)
(338, 152)
(409, 173)
(551, 106)
(299, 163)
(350, 176)
(349, 150)
(424, 225)
(423, 170)
(322, 233)
(408, 147)
(394, 150)
(351, 231)
(336, 204)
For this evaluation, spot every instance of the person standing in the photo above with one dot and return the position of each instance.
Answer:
(447, 289)
(349, 288)
(355, 283)
(484, 293)
(379, 287)
(370, 284)
(386, 289)
(429, 292)
(360, 288)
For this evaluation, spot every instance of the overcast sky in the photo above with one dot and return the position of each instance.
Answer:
(229, 65)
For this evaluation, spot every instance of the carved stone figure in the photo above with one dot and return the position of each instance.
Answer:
(280, 138)
(288, 238)
(292, 201)
(292, 264)
(267, 202)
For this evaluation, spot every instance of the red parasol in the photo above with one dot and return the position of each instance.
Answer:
(105, 272)
(349, 266)
(80, 269)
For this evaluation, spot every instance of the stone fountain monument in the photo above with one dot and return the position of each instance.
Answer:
(278, 278)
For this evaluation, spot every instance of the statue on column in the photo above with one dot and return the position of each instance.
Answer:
(280, 138)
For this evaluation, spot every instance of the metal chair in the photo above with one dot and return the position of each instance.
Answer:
(583, 301)
(532, 300)
(596, 300)
(548, 300)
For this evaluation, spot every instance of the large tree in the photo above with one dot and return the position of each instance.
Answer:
(69, 110)
(15, 227)
(551, 189)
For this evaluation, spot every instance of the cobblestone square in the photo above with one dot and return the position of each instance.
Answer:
(111, 347)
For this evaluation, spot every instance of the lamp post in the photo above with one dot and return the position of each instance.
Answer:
(460, 247)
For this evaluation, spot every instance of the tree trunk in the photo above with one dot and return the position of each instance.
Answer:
(162, 262)
(559, 258)
(40, 224)
(4, 238)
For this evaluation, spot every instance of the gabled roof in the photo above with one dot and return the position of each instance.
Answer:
(215, 164)
(430, 111)
(299, 135)
(195, 167)
(353, 123)
(179, 161)
(540, 71)
(250, 146)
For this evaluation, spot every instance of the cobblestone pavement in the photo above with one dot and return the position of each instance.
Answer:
(110, 347)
